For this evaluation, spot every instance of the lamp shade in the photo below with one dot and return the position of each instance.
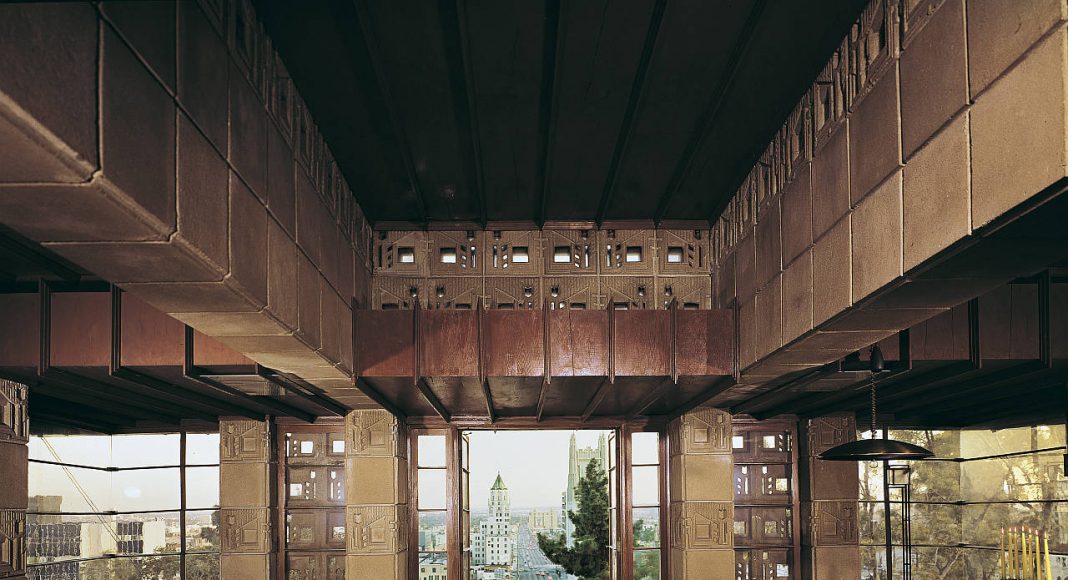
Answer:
(875, 450)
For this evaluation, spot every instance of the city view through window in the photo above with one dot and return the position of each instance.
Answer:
(123, 507)
(520, 485)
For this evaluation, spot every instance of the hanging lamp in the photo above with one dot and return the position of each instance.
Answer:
(875, 449)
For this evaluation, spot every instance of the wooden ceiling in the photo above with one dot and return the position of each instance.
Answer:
(463, 112)
(999, 360)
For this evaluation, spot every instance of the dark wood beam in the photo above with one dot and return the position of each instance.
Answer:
(598, 396)
(715, 389)
(960, 394)
(653, 396)
(626, 128)
(24, 249)
(711, 113)
(299, 388)
(550, 69)
(855, 395)
(378, 91)
(457, 53)
(376, 396)
(488, 396)
(431, 398)
(541, 399)
(192, 373)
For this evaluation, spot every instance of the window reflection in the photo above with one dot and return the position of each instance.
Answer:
(981, 481)
(111, 506)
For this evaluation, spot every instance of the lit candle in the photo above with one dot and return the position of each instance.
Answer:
(1012, 551)
(1049, 570)
(1002, 564)
(1026, 553)
(1017, 557)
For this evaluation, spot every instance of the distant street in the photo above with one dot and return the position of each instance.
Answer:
(533, 565)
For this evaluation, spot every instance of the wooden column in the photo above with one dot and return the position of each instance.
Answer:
(247, 498)
(14, 434)
(376, 496)
(701, 490)
(829, 492)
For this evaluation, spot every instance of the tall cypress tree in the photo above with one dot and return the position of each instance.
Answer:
(588, 558)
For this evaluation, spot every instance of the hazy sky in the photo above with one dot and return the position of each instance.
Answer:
(532, 463)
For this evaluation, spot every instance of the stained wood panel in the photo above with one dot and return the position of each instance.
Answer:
(20, 344)
(513, 343)
(704, 342)
(449, 343)
(944, 337)
(80, 329)
(149, 337)
(209, 353)
(578, 343)
(385, 343)
(1008, 322)
(642, 342)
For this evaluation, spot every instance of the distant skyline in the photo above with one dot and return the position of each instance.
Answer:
(533, 465)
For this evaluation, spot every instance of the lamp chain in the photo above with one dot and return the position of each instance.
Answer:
(873, 405)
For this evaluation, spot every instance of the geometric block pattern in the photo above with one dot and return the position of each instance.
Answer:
(827, 432)
(375, 433)
(701, 481)
(763, 526)
(829, 528)
(14, 421)
(702, 525)
(376, 514)
(584, 269)
(322, 486)
(242, 440)
(703, 431)
(12, 542)
(246, 519)
(377, 529)
(245, 531)
(315, 530)
(833, 523)
(316, 448)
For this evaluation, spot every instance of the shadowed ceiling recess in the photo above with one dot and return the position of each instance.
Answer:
(513, 114)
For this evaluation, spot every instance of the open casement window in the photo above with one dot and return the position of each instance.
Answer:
(646, 490)
(433, 527)
(312, 511)
(440, 504)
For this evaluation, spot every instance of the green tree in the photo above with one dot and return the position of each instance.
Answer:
(588, 558)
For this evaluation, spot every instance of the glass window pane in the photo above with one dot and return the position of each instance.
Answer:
(92, 450)
(202, 448)
(202, 567)
(54, 488)
(145, 450)
(432, 489)
(432, 532)
(646, 490)
(433, 565)
(201, 487)
(645, 448)
(646, 527)
(647, 565)
(202, 531)
(147, 533)
(145, 490)
(431, 451)
(65, 537)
